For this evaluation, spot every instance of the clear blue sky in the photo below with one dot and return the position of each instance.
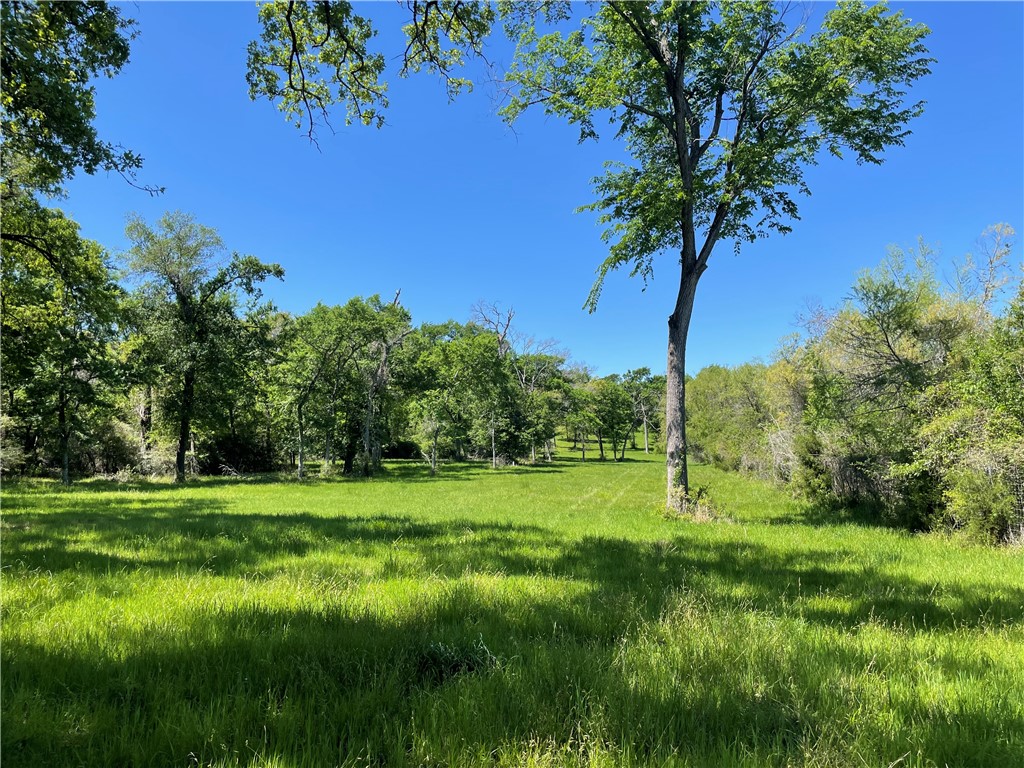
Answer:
(448, 204)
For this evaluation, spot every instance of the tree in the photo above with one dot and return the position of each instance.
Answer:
(452, 365)
(188, 292)
(645, 392)
(614, 412)
(391, 324)
(57, 328)
(580, 414)
(720, 105)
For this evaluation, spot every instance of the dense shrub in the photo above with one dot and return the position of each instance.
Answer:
(908, 401)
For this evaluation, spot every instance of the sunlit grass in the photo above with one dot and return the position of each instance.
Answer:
(543, 615)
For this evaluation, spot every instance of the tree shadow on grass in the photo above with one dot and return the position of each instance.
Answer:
(814, 583)
(19, 493)
(558, 612)
(333, 683)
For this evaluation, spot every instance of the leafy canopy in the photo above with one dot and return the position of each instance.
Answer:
(721, 106)
(51, 51)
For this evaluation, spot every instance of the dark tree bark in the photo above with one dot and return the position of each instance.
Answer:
(146, 419)
(675, 407)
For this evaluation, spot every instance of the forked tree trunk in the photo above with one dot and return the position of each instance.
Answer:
(675, 407)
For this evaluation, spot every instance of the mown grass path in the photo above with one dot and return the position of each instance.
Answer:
(542, 615)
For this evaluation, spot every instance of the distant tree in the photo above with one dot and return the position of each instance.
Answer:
(645, 392)
(613, 410)
(320, 348)
(580, 414)
(188, 291)
(453, 367)
(390, 326)
(57, 327)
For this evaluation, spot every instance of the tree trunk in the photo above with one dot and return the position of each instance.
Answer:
(184, 423)
(145, 421)
(675, 406)
(302, 440)
(600, 442)
(367, 428)
(268, 438)
(646, 450)
(64, 431)
(433, 454)
(494, 451)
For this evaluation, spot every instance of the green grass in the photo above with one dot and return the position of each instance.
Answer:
(541, 615)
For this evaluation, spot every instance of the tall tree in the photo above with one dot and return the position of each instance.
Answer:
(189, 290)
(721, 106)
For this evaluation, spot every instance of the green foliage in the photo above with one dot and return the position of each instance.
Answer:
(51, 51)
(673, 77)
(312, 56)
(59, 311)
(613, 410)
(982, 505)
(300, 38)
(906, 400)
(188, 320)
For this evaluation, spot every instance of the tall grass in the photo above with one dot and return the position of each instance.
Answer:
(544, 615)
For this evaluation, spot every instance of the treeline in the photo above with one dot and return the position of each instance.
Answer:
(172, 364)
(907, 401)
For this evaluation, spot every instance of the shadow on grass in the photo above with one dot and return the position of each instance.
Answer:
(18, 492)
(814, 583)
(472, 661)
(333, 684)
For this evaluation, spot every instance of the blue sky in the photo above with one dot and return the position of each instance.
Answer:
(451, 206)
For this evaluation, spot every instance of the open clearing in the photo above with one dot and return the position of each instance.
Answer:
(542, 615)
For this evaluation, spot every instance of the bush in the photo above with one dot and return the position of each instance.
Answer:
(697, 505)
(980, 504)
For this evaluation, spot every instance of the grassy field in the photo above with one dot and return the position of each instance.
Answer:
(543, 615)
